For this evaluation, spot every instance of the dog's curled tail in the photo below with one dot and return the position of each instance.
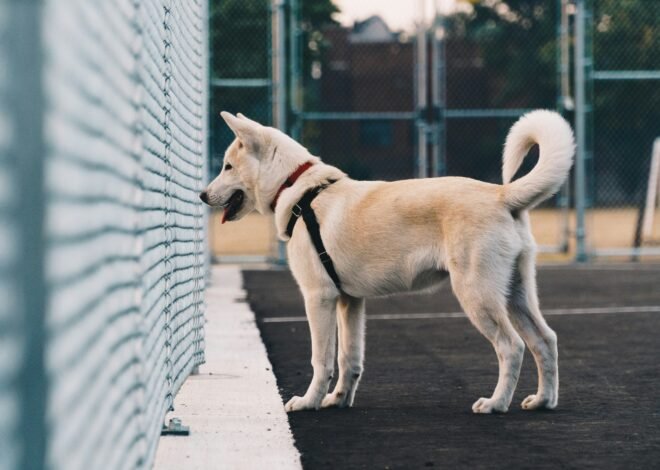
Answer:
(556, 148)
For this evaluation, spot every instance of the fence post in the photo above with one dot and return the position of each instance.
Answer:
(295, 92)
(279, 69)
(421, 96)
(438, 87)
(580, 130)
(279, 64)
(26, 102)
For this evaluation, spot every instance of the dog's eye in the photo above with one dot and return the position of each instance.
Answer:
(228, 166)
(240, 144)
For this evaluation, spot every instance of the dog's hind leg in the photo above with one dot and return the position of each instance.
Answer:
(351, 322)
(540, 339)
(482, 296)
(323, 328)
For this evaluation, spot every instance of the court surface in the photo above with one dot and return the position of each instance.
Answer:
(425, 366)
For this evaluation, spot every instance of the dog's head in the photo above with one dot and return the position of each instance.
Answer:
(235, 188)
(256, 164)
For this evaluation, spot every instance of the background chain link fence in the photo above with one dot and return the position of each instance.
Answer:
(439, 98)
(625, 115)
(114, 130)
(239, 40)
(356, 103)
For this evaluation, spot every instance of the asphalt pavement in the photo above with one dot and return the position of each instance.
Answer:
(425, 366)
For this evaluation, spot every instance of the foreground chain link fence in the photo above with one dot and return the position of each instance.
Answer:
(102, 252)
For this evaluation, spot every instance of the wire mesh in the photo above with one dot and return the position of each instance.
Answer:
(499, 57)
(124, 114)
(358, 103)
(390, 104)
(240, 68)
(626, 112)
(626, 103)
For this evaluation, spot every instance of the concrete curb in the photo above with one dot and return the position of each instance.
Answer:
(234, 410)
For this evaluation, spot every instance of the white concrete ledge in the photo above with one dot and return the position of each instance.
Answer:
(232, 406)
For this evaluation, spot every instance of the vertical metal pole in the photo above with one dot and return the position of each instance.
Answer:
(438, 69)
(279, 69)
(26, 103)
(279, 63)
(565, 103)
(580, 131)
(421, 93)
(295, 92)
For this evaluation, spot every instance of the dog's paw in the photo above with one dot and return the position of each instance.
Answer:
(299, 404)
(336, 399)
(489, 405)
(535, 402)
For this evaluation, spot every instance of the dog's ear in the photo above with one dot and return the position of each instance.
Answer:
(248, 131)
(245, 118)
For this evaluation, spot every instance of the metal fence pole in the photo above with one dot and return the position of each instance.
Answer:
(421, 97)
(438, 84)
(279, 70)
(279, 64)
(580, 131)
(295, 91)
(565, 105)
(26, 101)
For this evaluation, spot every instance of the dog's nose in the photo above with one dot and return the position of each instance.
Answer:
(204, 196)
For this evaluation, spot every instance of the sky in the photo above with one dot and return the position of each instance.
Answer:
(398, 14)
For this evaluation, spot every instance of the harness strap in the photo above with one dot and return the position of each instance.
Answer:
(304, 209)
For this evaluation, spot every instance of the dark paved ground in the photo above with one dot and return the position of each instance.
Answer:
(412, 409)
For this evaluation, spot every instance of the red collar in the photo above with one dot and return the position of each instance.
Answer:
(289, 182)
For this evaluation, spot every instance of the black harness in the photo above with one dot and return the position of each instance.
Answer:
(304, 209)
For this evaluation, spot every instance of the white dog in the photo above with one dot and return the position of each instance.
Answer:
(379, 238)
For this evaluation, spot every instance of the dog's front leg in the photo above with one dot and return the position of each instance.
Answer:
(322, 325)
(351, 322)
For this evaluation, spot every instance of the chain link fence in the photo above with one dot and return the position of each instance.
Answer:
(241, 81)
(625, 114)
(240, 32)
(438, 97)
(439, 100)
(102, 263)
(354, 99)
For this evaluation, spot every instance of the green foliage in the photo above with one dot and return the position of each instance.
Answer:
(240, 35)
(240, 47)
(516, 40)
(626, 36)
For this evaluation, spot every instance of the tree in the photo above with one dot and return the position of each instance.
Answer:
(239, 33)
(516, 40)
(240, 48)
